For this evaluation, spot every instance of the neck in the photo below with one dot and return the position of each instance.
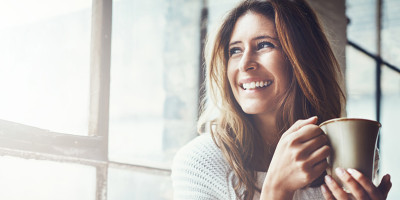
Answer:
(266, 125)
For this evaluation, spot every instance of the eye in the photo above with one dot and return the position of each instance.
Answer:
(234, 50)
(264, 44)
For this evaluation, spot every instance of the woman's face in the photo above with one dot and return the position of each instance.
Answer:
(257, 69)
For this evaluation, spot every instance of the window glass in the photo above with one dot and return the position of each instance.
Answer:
(360, 85)
(123, 184)
(389, 134)
(391, 32)
(154, 79)
(44, 65)
(45, 180)
(362, 27)
(390, 94)
(217, 10)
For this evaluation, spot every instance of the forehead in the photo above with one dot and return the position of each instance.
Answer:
(252, 24)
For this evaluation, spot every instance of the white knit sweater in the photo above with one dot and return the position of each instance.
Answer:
(200, 172)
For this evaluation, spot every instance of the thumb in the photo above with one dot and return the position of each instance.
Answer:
(385, 185)
(300, 123)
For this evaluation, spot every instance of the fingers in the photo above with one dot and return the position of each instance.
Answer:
(308, 132)
(366, 183)
(311, 143)
(312, 151)
(385, 185)
(319, 169)
(352, 184)
(318, 158)
(315, 143)
(335, 189)
(300, 123)
(327, 193)
(305, 134)
(359, 185)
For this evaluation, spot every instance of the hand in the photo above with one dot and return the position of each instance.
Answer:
(359, 185)
(299, 158)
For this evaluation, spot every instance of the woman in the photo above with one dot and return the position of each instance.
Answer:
(272, 77)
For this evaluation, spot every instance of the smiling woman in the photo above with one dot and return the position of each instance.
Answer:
(98, 95)
(273, 77)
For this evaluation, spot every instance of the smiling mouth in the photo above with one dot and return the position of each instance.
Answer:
(254, 85)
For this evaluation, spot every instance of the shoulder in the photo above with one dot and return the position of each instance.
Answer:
(200, 155)
(200, 171)
(201, 149)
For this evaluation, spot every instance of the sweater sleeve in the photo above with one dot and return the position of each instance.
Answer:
(199, 172)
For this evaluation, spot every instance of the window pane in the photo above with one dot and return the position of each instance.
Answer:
(360, 84)
(391, 32)
(44, 65)
(390, 114)
(154, 79)
(362, 26)
(389, 133)
(217, 10)
(124, 184)
(45, 180)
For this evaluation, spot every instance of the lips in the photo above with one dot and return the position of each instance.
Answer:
(255, 84)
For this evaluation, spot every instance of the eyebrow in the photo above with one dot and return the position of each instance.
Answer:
(256, 38)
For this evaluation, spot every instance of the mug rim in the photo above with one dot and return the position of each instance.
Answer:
(349, 119)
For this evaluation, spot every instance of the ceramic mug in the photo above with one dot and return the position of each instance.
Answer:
(353, 143)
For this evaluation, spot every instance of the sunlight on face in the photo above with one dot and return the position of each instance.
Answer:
(257, 69)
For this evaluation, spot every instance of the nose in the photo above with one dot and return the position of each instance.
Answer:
(247, 62)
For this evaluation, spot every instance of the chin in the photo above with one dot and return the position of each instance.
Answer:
(253, 110)
(258, 109)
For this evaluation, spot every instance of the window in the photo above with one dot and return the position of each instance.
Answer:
(100, 95)
(44, 78)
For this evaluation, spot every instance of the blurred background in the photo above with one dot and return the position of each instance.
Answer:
(98, 95)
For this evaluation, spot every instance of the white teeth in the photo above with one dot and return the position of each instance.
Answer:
(253, 85)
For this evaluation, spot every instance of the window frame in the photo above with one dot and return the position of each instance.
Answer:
(23, 141)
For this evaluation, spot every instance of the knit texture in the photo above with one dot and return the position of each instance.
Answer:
(200, 171)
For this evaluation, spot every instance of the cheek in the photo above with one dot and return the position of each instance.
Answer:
(231, 77)
(232, 82)
(282, 73)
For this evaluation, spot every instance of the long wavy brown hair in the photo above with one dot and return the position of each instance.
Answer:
(314, 88)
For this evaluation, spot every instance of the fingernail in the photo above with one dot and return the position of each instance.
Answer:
(314, 117)
(387, 177)
(328, 179)
(351, 171)
(339, 171)
(323, 188)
